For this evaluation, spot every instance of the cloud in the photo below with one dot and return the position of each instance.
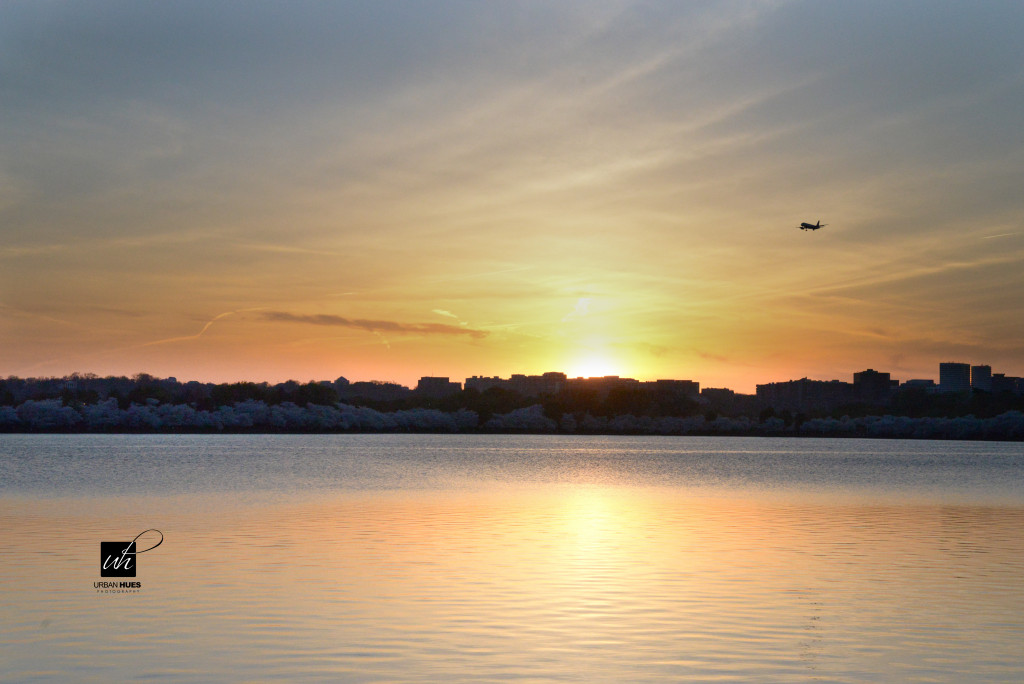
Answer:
(581, 309)
(442, 312)
(374, 326)
(203, 330)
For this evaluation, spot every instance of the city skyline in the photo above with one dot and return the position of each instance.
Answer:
(951, 376)
(609, 188)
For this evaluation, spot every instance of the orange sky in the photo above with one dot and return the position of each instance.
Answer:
(459, 189)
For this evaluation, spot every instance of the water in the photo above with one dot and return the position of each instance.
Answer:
(426, 558)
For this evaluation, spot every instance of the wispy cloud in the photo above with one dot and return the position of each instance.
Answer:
(18, 252)
(910, 274)
(8, 310)
(287, 249)
(199, 334)
(580, 310)
(374, 326)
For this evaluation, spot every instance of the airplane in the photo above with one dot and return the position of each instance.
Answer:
(812, 226)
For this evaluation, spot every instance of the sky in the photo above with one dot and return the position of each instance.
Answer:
(381, 191)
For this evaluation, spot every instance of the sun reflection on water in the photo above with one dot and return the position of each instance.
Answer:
(581, 576)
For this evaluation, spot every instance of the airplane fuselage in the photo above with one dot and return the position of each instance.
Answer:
(811, 226)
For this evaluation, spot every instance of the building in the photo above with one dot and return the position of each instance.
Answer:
(525, 385)
(954, 377)
(1003, 384)
(685, 388)
(981, 378)
(437, 387)
(373, 390)
(537, 385)
(805, 395)
(482, 383)
(730, 403)
(604, 385)
(872, 387)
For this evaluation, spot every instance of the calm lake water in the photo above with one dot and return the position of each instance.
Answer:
(373, 558)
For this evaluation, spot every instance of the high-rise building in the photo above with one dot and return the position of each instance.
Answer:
(954, 377)
(981, 378)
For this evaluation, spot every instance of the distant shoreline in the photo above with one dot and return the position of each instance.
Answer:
(142, 405)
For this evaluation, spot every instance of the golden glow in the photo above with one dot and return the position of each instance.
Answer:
(598, 580)
(595, 355)
(595, 518)
(593, 365)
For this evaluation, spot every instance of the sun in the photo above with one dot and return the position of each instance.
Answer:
(592, 365)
